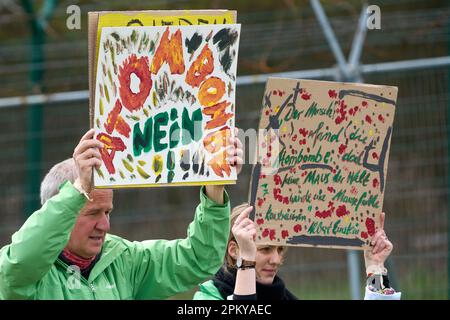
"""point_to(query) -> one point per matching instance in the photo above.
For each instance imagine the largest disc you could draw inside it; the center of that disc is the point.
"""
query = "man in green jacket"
(63, 250)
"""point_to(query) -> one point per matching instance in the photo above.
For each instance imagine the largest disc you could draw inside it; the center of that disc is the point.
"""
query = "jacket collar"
(110, 251)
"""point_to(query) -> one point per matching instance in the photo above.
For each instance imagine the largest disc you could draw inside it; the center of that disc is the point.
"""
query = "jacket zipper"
(90, 285)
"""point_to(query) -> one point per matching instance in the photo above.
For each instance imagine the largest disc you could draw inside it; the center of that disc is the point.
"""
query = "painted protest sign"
(164, 104)
(323, 158)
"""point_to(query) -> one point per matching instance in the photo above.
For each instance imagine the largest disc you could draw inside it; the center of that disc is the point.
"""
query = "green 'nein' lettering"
(193, 126)
(154, 131)
(142, 140)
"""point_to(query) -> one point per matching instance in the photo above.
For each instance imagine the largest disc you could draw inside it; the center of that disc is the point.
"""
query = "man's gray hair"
(57, 175)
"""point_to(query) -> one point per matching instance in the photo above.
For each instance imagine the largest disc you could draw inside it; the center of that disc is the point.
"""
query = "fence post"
(34, 111)
(448, 170)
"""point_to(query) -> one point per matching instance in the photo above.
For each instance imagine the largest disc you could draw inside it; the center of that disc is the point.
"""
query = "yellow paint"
(284, 129)
(383, 105)
(276, 109)
(346, 219)
(370, 132)
(199, 183)
(212, 90)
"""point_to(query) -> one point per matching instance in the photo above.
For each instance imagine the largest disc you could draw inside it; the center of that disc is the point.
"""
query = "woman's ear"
(233, 249)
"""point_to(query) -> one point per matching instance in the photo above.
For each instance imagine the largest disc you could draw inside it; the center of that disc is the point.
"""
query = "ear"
(233, 249)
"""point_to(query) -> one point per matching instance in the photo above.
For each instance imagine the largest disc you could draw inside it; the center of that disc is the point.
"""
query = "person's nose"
(275, 257)
(103, 223)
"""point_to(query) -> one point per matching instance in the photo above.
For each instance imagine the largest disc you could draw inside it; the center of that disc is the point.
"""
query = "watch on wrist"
(245, 264)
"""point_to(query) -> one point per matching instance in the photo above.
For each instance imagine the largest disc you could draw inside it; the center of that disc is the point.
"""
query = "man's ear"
(233, 249)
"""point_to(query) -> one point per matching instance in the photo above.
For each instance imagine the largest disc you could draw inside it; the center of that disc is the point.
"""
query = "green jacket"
(207, 291)
(154, 269)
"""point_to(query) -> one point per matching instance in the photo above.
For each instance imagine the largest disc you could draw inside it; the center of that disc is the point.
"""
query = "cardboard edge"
(92, 37)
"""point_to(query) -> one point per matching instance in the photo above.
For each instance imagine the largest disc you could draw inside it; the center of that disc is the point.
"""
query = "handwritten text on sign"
(324, 184)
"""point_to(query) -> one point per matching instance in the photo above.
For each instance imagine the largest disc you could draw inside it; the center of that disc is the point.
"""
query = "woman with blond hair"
(246, 262)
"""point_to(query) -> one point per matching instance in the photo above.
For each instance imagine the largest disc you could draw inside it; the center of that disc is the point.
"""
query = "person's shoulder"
(116, 241)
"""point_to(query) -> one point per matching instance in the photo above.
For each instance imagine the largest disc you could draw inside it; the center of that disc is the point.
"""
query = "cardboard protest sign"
(323, 158)
(164, 104)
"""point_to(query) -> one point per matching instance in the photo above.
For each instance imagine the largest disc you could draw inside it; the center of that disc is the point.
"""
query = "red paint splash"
(364, 103)
(353, 111)
(278, 93)
(375, 183)
(284, 234)
(115, 121)
(332, 94)
(342, 211)
(272, 234)
(265, 233)
(342, 148)
(303, 132)
(294, 138)
(374, 155)
(297, 228)
(277, 179)
(342, 112)
(111, 145)
(324, 214)
(381, 118)
(140, 67)
(260, 202)
(368, 119)
(305, 96)
(260, 221)
(277, 196)
(330, 189)
(302, 142)
(364, 235)
(370, 225)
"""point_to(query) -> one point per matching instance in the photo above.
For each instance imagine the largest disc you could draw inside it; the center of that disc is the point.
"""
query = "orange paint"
(111, 145)
(201, 67)
(218, 115)
(170, 51)
(213, 142)
(219, 164)
(115, 121)
(211, 91)
(134, 101)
